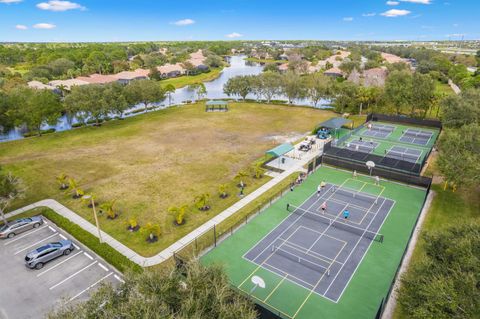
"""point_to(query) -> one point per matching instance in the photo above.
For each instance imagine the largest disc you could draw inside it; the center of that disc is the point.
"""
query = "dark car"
(40, 256)
(18, 226)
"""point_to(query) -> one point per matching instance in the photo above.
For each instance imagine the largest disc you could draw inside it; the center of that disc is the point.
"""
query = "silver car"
(40, 256)
(18, 226)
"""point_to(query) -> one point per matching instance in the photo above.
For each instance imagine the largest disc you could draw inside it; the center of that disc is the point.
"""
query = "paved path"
(168, 252)
(454, 87)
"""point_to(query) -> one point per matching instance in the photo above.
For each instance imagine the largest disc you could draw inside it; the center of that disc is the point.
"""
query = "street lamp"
(90, 197)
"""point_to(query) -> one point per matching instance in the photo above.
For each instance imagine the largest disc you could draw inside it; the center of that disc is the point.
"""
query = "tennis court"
(416, 136)
(361, 146)
(319, 250)
(379, 130)
(404, 154)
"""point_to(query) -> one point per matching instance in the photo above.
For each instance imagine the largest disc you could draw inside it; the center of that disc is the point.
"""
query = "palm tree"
(258, 170)
(11, 188)
(202, 200)
(179, 213)
(222, 190)
(169, 89)
(73, 186)
(241, 175)
(62, 179)
(153, 231)
(108, 208)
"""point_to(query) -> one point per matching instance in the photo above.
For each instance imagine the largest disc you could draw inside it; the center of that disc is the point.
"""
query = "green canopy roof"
(280, 150)
(216, 103)
(336, 122)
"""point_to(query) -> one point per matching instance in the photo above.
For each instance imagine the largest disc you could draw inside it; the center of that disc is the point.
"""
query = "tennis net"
(402, 156)
(301, 260)
(346, 195)
(337, 223)
(420, 134)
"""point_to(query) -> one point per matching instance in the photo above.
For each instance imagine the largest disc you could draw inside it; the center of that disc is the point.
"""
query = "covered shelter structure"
(280, 150)
(334, 124)
(277, 158)
(217, 105)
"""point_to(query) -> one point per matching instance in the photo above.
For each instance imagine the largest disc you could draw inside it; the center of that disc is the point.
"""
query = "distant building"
(67, 84)
(171, 70)
(283, 67)
(126, 77)
(98, 78)
(375, 76)
(41, 86)
(334, 72)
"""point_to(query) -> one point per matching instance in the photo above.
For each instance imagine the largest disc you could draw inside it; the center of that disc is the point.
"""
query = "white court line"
(366, 251)
(23, 236)
(103, 267)
(350, 254)
(53, 267)
(91, 286)
(119, 279)
(38, 242)
(52, 229)
(287, 274)
(63, 237)
(73, 275)
(319, 233)
(312, 252)
(86, 254)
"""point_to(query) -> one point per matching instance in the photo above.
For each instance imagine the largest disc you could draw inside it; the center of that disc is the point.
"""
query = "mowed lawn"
(152, 161)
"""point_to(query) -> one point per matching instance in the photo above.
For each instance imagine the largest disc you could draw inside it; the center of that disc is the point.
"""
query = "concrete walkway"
(168, 252)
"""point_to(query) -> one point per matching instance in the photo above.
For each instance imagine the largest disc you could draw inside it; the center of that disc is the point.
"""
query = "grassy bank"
(448, 208)
(186, 80)
(152, 161)
(265, 60)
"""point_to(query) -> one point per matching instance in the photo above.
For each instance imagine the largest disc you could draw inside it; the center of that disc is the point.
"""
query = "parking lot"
(29, 293)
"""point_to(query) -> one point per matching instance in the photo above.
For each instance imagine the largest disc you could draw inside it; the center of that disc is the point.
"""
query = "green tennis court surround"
(370, 281)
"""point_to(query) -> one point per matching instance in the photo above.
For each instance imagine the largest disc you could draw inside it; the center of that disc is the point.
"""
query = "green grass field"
(152, 161)
(372, 279)
(186, 80)
(385, 144)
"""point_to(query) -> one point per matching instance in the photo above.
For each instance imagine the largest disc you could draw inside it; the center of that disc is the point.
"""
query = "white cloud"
(44, 26)
(395, 13)
(418, 1)
(234, 35)
(21, 27)
(455, 25)
(393, 3)
(184, 22)
(10, 1)
(58, 6)
(372, 14)
(348, 19)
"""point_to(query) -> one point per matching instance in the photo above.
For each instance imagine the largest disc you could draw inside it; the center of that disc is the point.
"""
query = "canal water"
(237, 66)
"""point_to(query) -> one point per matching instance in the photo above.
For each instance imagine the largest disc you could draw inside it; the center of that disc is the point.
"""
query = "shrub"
(153, 231)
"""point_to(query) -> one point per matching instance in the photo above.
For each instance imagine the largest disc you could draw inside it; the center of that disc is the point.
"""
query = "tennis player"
(377, 180)
(346, 213)
(369, 126)
(324, 207)
(319, 189)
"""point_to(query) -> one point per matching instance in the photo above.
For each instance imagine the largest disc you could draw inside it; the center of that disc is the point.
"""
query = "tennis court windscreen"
(336, 223)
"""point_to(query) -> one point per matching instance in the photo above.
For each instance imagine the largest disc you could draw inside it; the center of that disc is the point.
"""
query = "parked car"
(40, 256)
(18, 226)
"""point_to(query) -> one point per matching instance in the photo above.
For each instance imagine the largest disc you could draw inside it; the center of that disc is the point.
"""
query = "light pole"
(87, 197)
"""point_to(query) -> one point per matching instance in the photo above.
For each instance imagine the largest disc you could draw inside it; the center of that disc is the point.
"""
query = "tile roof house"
(126, 77)
(375, 76)
(171, 70)
(392, 58)
(67, 84)
(98, 78)
(197, 58)
(40, 86)
(334, 72)
(283, 67)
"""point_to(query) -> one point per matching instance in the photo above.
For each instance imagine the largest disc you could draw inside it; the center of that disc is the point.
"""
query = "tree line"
(31, 108)
(404, 92)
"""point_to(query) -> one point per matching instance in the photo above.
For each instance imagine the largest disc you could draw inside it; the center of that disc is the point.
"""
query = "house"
(375, 76)
(171, 70)
(334, 72)
(37, 85)
(337, 58)
(283, 56)
(392, 58)
(98, 78)
(126, 77)
(197, 58)
(283, 67)
(67, 84)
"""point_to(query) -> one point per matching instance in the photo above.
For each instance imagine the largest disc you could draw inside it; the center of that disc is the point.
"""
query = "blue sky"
(139, 20)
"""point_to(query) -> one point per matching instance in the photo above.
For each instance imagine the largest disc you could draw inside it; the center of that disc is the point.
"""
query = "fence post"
(214, 236)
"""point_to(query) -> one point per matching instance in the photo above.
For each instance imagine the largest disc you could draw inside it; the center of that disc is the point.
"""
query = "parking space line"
(73, 275)
(52, 229)
(86, 254)
(63, 237)
(29, 233)
(119, 279)
(53, 267)
(103, 267)
(74, 245)
(91, 286)
(38, 242)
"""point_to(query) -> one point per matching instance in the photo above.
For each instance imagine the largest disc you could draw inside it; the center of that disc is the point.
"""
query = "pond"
(237, 66)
